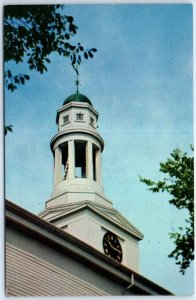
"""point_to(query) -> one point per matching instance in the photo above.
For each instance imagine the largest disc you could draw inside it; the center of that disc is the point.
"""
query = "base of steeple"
(77, 189)
(89, 221)
(73, 197)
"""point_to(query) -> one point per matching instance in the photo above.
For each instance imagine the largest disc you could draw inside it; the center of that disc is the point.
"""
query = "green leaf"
(22, 80)
(90, 54)
(47, 59)
(70, 19)
(7, 128)
(67, 36)
(179, 184)
(9, 74)
(16, 80)
(85, 55)
(26, 77)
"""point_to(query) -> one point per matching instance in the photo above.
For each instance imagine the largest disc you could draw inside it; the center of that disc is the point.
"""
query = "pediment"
(50, 213)
(110, 214)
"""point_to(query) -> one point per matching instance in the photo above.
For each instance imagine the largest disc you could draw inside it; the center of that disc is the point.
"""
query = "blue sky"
(140, 81)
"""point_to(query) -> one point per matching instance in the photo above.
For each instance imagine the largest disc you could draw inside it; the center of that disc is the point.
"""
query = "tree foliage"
(7, 128)
(179, 183)
(32, 33)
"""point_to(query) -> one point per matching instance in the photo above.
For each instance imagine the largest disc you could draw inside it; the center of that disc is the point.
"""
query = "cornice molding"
(75, 131)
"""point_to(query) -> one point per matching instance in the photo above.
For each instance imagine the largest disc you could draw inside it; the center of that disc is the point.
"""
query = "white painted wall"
(90, 228)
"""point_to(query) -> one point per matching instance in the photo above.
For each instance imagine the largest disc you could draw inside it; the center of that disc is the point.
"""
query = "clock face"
(111, 246)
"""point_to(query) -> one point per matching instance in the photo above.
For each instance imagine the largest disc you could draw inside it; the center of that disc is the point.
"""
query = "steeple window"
(64, 148)
(65, 119)
(92, 121)
(80, 117)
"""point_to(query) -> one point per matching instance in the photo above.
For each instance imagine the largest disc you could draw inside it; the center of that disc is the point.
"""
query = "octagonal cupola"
(77, 111)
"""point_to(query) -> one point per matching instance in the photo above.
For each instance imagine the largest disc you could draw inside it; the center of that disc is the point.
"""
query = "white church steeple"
(78, 204)
(77, 151)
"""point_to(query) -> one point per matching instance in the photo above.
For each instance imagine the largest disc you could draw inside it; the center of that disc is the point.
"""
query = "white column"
(57, 165)
(71, 159)
(98, 166)
(89, 160)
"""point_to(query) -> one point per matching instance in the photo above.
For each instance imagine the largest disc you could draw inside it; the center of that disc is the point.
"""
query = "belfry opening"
(64, 149)
(84, 162)
(80, 159)
(94, 154)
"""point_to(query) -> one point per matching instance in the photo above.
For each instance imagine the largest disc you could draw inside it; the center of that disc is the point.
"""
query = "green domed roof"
(77, 98)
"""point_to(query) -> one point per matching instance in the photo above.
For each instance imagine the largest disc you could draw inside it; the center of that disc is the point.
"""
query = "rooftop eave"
(49, 234)
(77, 130)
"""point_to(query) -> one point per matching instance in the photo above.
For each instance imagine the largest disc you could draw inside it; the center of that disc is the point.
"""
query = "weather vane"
(77, 82)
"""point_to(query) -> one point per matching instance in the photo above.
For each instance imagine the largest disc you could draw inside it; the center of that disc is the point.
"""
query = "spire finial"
(77, 82)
